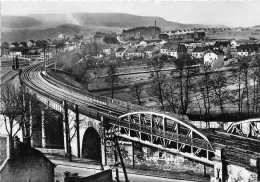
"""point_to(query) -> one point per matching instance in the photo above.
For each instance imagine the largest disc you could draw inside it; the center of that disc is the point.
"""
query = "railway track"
(47, 87)
(57, 91)
(234, 142)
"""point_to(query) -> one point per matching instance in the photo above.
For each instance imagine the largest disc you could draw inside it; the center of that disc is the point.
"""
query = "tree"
(204, 88)
(17, 107)
(255, 66)
(11, 104)
(4, 45)
(244, 67)
(110, 40)
(136, 91)
(183, 74)
(171, 96)
(157, 79)
(218, 83)
(111, 77)
(237, 93)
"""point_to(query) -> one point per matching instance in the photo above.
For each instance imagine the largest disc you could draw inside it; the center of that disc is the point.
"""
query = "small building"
(214, 58)
(26, 164)
(190, 47)
(198, 52)
(111, 49)
(165, 48)
(23, 44)
(14, 44)
(18, 51)
(247, 50)
(222, 45)
(150, 50)
(135, 52)
(120, 52)
(177, 50)
(31, 43)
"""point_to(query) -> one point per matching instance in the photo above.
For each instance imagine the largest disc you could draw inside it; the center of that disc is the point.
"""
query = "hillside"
(36, 34)
(127, 21)
(18, 21)
(42, 26)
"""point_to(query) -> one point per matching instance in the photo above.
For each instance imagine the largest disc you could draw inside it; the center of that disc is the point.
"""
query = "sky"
(229, 12)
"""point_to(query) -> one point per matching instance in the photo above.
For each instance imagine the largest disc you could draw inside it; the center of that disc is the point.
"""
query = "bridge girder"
(164, 132)
(248, 125)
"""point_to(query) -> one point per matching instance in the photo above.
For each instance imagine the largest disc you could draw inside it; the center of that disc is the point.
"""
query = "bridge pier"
(219, 166)
(43, 130)
(76, 110)
(103, 142)
(66, 127)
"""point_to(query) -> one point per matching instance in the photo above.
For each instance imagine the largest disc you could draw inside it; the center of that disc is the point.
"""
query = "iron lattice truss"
(248, 128)
(166, 133)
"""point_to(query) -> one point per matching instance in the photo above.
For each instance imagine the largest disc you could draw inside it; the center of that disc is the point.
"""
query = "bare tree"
(171, 96)
(237, 93)
(18, 106)
(204, 88)
(218, 84)
(157, 79)
(184, 73)
(255, 66)
(244, 67)
(11, 104)
(136, 91)
(111, 78)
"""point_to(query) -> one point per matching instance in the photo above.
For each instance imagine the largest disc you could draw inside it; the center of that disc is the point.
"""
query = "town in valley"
(117, 93)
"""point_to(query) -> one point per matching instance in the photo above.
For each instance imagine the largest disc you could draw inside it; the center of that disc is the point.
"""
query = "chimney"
(155, 27)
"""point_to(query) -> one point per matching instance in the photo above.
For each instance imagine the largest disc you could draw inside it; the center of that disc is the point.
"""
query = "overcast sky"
(231, 13)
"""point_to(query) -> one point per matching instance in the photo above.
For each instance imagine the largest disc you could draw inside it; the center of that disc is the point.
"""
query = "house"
(111, 49)
(165, 48)
(222, 45)
(23, 44)
(18, 51)
(130, 51)
(247, 50)
(31, 43)
(120, 52)
(150, 50)
(214, 57)
(26, 163)
(140, 52)
(190, 46)
(135, 52)
(177, 50)
(14, 44)
(34, 52)
(198, 52)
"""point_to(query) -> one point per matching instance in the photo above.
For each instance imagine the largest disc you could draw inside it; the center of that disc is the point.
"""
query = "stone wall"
(155, 159)
(240, 174)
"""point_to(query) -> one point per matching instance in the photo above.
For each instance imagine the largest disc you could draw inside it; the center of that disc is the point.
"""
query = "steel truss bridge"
(168, 132)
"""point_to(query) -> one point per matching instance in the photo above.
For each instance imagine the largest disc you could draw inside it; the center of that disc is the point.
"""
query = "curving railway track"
(41, 83)
(93, 105)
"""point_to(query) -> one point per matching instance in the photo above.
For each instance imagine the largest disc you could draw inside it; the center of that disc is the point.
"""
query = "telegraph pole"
(44, 57)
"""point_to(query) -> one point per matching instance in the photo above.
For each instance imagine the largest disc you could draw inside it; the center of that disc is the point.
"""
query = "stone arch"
(91, 147)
